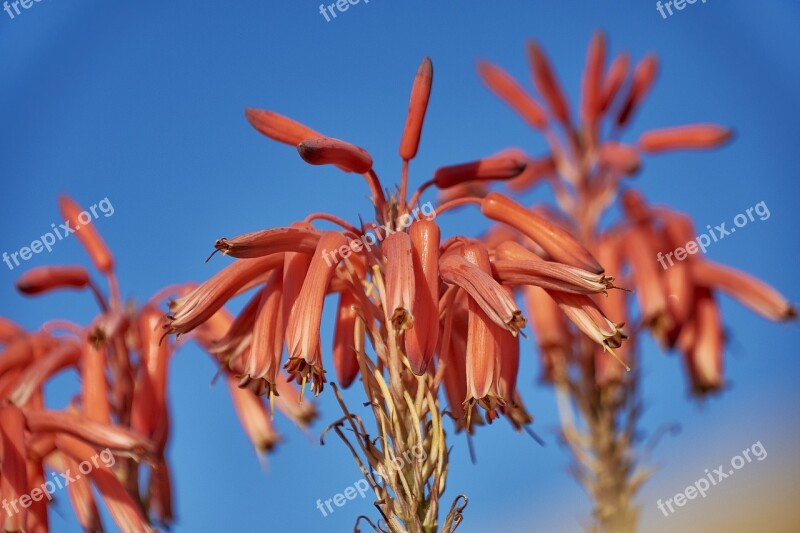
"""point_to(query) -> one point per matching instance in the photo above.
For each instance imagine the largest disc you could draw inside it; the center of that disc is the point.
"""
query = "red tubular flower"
(329, 151)
(704, 357)
(615, 304)
(650, 289)
(489, 169)
(588, 317)
(117, 439)
(489, 295)
(262, 362)
(420, 94)
(400, 283)
(199, 305)
(45, 279)
(643, 77)
(348, 339)
(545, 81)
(693, 137)
(14, 479)
(126, 512)
(515, 265)
(421, 340)
(508, 90)
(559, 245)
(87, 235)
(549, 327)
(270, 241)
(483, 338)
(253, 416)
(302, 330)
(280, 128)
(592, 94)
(80, 492)
(751, 292)
(614, 79)
(289, 402)
(94, 387)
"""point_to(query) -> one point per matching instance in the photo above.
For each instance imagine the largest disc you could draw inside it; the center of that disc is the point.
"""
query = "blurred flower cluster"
(122, 361)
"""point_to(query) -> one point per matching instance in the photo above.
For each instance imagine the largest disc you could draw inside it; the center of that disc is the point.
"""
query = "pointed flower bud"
(420, 94)
(279, 128)
(508, 90)
(692, 137)
(545, 81)
(489, 169)
(329, 151)
(45, 279)
(87, 235)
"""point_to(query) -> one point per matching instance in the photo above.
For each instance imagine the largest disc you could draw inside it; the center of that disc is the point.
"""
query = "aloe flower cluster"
(589, 168)
(437, 312)
(122, 360)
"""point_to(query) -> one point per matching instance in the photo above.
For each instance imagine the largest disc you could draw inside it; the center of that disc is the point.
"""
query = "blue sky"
(143, 104)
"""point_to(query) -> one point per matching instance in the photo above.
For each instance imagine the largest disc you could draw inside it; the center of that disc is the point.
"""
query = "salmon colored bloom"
(751, 292)
(270, 241)
(422, 338)
(263, 360)
(560, 245)
(302, 329)
(400, 282)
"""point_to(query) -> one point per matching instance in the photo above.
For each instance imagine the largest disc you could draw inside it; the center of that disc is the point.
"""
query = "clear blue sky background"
(142, 103)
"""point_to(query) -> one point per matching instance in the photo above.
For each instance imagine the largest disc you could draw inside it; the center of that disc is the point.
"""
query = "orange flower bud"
(44, 279)
(643, 77)
(329, 151)
(692, 137)
(87, 235)
(420, 94)
(279, 128)
(614, 79)
(489, 169)
(592, 94)
(508, 90)
(545, 81)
